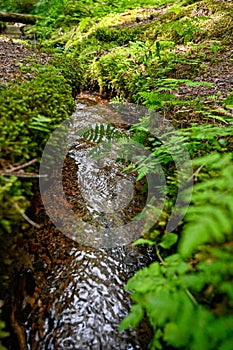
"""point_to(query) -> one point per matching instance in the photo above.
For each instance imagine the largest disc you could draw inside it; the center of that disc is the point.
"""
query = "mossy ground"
(130, 53)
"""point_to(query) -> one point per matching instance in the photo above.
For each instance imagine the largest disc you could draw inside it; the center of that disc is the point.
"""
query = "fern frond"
(210, 217)
(100, 132)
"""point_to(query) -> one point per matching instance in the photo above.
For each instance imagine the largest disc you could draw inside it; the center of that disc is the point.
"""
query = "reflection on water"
(87, 302)
(106, 190)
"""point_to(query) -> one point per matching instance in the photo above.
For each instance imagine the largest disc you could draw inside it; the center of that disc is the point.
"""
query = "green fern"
(210, 218)
(41, 123)
(228, 102)
(163, 95)
(100, 133)
(167, 295)
(188, 302)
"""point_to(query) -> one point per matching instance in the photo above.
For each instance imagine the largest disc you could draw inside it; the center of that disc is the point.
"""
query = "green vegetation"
(187, 296)
(3, 333)
(21, 6)
(145, 52)
(29, 113)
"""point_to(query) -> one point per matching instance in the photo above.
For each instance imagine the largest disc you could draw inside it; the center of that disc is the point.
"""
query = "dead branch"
(18, 17)
(21, 211)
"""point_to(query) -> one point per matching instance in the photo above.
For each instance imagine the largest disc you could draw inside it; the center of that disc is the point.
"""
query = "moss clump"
(30, 111)
(124, 71)
(71, 69)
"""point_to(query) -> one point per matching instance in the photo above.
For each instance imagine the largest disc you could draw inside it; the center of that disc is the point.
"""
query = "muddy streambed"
(69, 291)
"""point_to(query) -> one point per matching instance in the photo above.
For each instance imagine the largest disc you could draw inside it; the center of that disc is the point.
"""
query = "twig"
(158, 254)
(191, 297)
(21, 166)
(196, 172)
(18, 174)
(25, 216)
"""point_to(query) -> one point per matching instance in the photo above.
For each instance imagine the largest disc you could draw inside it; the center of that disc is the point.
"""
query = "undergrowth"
(29, 113)
(187, 296)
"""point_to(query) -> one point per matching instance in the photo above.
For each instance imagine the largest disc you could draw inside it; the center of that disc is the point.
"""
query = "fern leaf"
(210, 217)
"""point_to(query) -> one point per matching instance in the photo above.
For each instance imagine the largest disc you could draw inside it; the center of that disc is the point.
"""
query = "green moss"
(71, 69)
(29, 113)
(47, 96)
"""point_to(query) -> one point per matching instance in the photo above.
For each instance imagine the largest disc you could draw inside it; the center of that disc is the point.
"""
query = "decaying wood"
(18, 17)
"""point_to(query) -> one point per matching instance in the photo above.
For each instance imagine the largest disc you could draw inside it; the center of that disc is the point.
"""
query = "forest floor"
(14, 55)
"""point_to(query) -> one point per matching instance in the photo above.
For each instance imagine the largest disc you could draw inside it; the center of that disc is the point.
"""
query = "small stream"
(98, 212)
(70, 295)
(81, 301)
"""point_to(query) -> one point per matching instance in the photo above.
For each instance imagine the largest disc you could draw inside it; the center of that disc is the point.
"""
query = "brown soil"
(14, 55)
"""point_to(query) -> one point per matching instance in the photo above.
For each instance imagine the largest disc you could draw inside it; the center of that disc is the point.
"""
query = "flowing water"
(82, 301)
(77, 298)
